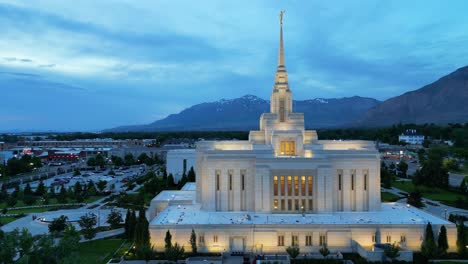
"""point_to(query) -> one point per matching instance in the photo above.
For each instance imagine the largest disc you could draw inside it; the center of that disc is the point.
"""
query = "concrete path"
(105, 234)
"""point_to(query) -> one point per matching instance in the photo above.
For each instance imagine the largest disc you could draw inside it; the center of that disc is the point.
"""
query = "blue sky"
(88, 65)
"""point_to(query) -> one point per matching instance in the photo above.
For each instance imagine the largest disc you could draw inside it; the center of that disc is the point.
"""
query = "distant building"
(179, 161)
(411, 137)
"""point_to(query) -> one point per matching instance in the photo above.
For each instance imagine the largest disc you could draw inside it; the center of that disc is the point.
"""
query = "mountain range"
(441, 102)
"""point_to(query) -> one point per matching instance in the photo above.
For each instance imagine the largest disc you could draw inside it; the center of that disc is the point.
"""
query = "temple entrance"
(237, 244)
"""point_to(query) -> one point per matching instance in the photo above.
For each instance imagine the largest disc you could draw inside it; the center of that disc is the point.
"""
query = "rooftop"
(391, 213)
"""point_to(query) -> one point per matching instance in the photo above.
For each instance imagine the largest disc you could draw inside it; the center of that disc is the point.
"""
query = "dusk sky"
(90, 65)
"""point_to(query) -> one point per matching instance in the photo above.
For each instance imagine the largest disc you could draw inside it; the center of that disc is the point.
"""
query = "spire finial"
(281, 52)
(281, 16)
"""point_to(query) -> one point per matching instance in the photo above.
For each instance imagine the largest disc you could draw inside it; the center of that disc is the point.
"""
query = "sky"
(89, 65)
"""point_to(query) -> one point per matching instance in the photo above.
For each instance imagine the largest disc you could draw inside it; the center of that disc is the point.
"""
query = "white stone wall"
(175, 162)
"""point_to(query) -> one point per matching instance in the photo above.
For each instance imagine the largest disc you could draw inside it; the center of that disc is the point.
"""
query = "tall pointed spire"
(281, 48)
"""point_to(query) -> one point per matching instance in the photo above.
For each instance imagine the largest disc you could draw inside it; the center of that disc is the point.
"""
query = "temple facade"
(286, 187)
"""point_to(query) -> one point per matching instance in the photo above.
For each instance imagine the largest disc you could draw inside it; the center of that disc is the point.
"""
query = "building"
(411, 137)
(286, 187)
(179, 161)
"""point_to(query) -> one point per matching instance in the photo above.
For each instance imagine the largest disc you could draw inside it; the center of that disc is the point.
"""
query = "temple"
(286, 187)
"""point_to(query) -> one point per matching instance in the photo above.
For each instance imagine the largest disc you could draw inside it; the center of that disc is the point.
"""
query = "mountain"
(441, 102)
(244, 114)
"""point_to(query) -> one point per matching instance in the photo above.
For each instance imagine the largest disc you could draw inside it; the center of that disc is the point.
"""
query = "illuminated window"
(215, 239)
(275, 204)
(303, 204)
(389, 239)
(322, 240)
(309, 183)
(289, 185)
(308, 241)
(282, 184)
(217, 179)
(282, 110)
(201, 239)
(373, 239)
(294, 241)
(280, 241)
(403, 238)
(303, 185)
(296, 185)
(288, 148)
(275, 185)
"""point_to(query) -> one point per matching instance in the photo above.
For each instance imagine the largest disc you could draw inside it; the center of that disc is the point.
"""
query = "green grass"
(51, 202)
(6, 220)
(389, 197)
(444, 196)
(98, 251)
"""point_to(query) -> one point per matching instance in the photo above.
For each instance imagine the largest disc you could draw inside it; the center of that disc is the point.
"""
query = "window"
(303, 205)
(275, 204)
(373, 239)
(296, 204)
(288, 148)
(311, 205)
(289, 205)
(339, 182)
(282, 110)
(201, 239)
(403, 238)
(275, 185)
(289, 185)
(280, 241)
(303, 185)
(283, 207)
(230, 180)
(308, 240)
(282, 185)
(217, 179)
(215, 239)
(365, 181)
(243, 179)
(322, 240)
(389, 239)
(309, 187)
(296, 185)
(352, 182)
(294, 241)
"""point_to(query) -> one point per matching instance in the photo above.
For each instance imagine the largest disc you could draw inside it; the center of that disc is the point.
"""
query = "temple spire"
(281, 49)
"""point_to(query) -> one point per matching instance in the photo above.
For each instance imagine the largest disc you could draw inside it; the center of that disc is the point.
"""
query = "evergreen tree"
(142, 236)
(25, 242)
(131, 226)
(392, 252)
(27, 190)
(191, 175)
(193, 242)
(174, 253)
(170, 181)
(52, 192)
(114, 218)
(464, 186)
(168, 240)
(41, 189)
(428, 248)
(126, 224)
(87, 223)
(442, 243)
(293, 251)
(461, 239)
(62, 196)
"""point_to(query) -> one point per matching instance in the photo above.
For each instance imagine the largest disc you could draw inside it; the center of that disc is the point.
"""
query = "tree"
(461, 239)
(29, 199)
(11, 201)
(463, 186)
(62, 196)
(101, 185)
(91, 162)
(193, 242)
(41, 189)
(77, 189)
(131, 226)
(175, 252)
(126, 223)
(128, 159)
(76, 172)
(428, 248)
(324, 250)
(87, 223)
(58, 224)
(91, 189)
(170, 180)
(168, 240)
(142, 236)
(442, 243)
(403, 168)
(191, 175)
(392, 251)
(415, 199)
(69, 243)
(100, 161)
(44, 251)
(182, 181)
(114, 218)
(293, 251)
(8, 246)
(146, 252)
(27, 190)
(117, 161)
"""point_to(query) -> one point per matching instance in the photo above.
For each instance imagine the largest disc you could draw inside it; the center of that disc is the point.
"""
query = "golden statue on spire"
(281, 16)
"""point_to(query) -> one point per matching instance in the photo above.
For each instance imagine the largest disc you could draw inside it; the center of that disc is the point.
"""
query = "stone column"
(359, 190)
(224, 189)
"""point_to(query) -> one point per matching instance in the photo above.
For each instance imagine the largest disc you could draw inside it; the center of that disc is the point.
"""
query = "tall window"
(275, 203)
(230, 180)
(311, 205)
(282, 110)
(352, 181)
(308, 240)
(373, 239)
(403, 238)
(309, 183)
(322, 240)
(243, 179)
(289, 204)
(289, 185)
(275, 185)
(340, 178)
(294, 240)
(201, 239)
(282, 184)
(280, 241)
(217, 179)
(296, 204)
(303, 185)
(389, 239)
(283, 207)
(296, 185)
(303, 204)
(215, 239)
(365, 181)
(288, 148)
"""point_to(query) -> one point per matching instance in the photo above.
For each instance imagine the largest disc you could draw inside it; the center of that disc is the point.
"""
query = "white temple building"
(286, 187)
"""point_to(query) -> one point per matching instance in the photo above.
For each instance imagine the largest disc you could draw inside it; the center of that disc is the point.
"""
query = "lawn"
(389, 197)
(6, 220)
(99, 251)
(445, 196)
